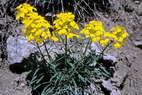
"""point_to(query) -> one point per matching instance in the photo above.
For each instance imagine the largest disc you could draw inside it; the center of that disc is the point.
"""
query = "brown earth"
(12, 84)
(130, 57)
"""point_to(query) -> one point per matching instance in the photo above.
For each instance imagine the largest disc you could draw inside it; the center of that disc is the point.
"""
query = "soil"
(129, 57)
(12, 84)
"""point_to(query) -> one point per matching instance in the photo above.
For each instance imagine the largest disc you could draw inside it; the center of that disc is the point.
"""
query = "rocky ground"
(128, 76)
(12, 84)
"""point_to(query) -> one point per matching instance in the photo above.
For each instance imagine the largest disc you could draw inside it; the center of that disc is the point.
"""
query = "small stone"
(137, 2)
(94, 47)
(111, 58)
(120, 75)
(139, 10)
(138, 44)
(50, 14)
(22, 85)
(115, 92)
(129, 8)
(107, 84)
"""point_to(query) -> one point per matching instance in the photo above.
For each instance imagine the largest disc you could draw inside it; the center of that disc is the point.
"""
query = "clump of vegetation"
(63, 73)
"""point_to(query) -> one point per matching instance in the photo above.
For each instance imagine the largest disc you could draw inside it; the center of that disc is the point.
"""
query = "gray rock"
(18, 48)
(94, 47)
(129, 5)
(111, 58)
(137, 2)
(139, 10)
(107, 84)
(115, 92)
(138, 44)
(120, 75)
(115, 5)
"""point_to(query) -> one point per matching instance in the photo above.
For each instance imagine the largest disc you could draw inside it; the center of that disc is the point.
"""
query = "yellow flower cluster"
(36, 28)
(96, 32)
(119, 35)
(65, 25)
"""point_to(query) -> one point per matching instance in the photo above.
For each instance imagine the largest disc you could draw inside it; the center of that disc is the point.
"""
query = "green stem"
(50, 58)
(86, 47)
(105, 48)
(41, 53)
(66, 48)
(66, 43)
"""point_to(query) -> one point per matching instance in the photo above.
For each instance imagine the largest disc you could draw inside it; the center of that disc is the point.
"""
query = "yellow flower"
(124, 35)
(38, 40)
(71, 35)
(94, 30)
(23, 9)
(44, 35)
(119, 36)
(65, 24)
(117, 45)
(36, 28)
(96, 23)
(94, 40)
(53, 38)
(104, 42)
(116, 29)
(74, 25)
(120, 39)
(62, 32)
(30, 37)
(99, 33)
(99, 28)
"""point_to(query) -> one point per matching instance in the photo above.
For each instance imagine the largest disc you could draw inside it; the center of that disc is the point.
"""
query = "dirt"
(133, 84)
(129, 57)
(12, 84)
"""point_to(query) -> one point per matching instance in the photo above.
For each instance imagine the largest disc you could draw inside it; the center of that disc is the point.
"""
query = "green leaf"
(72, 66)
(74, 83)
(54, 76)
(81, 78)
(38, 85)
(45, 89)
(40, 79)
(36, 72)
(94, 63)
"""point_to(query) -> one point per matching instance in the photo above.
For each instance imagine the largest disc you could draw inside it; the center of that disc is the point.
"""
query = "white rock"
(137, 1)
(111, 58)
(138, 44)
(18, 48)
(139, 10)
(95, 48)
(107, 84)
(115, 92)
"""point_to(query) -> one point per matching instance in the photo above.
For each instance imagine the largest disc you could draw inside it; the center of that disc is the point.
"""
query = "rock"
(129, 8)
(115, 92)
(115, 5)
(107, 84)
(139, 10)
(137, 1)
(3, 1)
(120, 76)
(128, 5)
(110, 58)
(94, 47)
(18, 48)
(138, 44)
